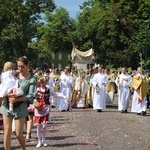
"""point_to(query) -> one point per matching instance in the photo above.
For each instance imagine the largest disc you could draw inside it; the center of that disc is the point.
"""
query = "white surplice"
(124, 91)
(138, 107)
(99, 82)
(66, 82)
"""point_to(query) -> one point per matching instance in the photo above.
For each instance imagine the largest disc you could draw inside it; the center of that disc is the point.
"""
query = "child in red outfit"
(42, 110)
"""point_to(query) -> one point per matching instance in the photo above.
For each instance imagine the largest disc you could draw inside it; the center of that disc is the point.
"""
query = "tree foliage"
(19, 22)
(118, 30)
(55, 32)
(54, 36)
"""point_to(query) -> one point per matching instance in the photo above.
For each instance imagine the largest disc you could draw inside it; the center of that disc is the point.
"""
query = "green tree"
(116, 29)
(19, 22)
(56, 33)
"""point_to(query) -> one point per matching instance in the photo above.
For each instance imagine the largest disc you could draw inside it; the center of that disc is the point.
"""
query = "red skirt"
(41, 119)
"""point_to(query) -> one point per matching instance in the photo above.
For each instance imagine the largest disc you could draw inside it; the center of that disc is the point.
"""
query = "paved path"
(85, 129)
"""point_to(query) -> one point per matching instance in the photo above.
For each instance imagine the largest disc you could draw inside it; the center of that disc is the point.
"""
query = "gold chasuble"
(140, 84)
(111, 84)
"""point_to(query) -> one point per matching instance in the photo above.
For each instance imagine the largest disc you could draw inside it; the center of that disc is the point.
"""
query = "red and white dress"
(43, 95)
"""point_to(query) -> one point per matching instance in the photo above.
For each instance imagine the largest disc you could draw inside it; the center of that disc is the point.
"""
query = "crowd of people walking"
(27, 95)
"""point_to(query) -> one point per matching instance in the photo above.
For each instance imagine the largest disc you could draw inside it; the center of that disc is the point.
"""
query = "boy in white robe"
(99, 82)
(123, 82)
(66, 82)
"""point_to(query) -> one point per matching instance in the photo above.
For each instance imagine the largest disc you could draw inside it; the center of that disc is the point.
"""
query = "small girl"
(9, 83)
(42, 109)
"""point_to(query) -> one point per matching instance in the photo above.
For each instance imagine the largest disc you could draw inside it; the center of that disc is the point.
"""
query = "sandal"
(28, 137)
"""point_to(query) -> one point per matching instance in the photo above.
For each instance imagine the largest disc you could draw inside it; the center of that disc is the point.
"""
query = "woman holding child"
(28, 84)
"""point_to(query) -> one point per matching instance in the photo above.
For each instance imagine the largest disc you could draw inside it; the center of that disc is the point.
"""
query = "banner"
(81, 59)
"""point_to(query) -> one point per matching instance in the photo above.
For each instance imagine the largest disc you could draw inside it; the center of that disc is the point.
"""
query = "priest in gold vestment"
(140, 87)
(81, 87)
(111, 86)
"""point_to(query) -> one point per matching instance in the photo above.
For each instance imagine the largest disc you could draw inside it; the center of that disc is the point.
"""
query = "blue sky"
(72, 6)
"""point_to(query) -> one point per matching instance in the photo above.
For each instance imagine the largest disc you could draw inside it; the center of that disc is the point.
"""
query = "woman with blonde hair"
(28, 84)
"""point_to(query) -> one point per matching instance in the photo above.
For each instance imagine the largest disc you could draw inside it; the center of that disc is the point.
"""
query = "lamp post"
(146, 45)
(140, 55)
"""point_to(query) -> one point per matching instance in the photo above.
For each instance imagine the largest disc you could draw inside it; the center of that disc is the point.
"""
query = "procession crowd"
(27, 95)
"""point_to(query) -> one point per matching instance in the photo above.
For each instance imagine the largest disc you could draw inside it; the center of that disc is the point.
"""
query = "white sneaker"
(39, 145)
(45, 144)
